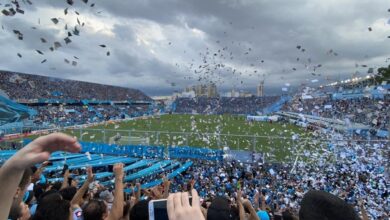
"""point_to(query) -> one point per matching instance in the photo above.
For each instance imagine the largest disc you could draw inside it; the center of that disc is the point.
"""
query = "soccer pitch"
(208, 131)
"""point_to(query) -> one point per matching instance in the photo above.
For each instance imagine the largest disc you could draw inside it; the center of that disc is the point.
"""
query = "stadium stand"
(59, 102)
(349, 177)
(77, 115)
(20, 86)
(224, 105)
(370, 108)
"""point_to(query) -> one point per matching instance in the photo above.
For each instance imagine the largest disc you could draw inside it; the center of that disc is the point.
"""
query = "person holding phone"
(179, 208)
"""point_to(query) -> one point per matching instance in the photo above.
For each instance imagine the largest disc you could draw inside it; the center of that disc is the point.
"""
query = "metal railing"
(273, 148)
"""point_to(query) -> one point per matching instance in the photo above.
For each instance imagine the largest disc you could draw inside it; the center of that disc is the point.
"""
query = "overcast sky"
(164, 45)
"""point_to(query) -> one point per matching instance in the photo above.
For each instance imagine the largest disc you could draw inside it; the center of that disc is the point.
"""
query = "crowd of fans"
(24, 87)
(345, 189)
(78, 115)
(224, 105)
(344, 182)
(365, 110)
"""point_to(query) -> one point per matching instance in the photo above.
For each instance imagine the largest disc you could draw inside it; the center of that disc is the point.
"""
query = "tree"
(383, 74)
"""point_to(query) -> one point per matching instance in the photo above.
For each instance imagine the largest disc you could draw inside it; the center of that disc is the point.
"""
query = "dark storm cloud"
(31, 39)
(153, 43)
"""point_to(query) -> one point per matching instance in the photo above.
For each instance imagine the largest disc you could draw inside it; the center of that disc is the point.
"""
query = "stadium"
(73, 147)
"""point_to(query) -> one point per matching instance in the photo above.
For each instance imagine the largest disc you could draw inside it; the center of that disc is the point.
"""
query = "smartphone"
(70, 181)
(111, 168)
(126, 196)
(64, 169)
(158, 209)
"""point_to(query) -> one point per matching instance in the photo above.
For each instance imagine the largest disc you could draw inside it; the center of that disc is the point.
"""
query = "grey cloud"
(272, 29)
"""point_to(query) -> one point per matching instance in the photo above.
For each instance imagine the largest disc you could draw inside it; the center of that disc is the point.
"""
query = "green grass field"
(210, 131)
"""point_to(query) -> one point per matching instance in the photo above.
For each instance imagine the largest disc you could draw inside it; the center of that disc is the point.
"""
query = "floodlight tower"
(260, 89)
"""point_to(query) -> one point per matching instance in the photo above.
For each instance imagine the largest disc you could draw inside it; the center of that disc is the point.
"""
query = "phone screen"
(158, 209)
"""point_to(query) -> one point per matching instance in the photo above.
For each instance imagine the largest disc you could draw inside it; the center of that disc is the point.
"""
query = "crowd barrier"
(151, 151)
(129, 150)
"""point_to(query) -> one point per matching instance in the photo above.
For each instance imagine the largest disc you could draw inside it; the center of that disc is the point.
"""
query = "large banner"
(129, 150)
(244, 156)
(262, 118)
(195, 153)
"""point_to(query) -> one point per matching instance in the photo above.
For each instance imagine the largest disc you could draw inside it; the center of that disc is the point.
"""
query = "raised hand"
(239, 196)
(241, 210)
(262, 197)
(90, 175)
(179, 207)
(118, 170)
(36, 152)
(166, 184)
(257, 196)
(41, 148)
(138, 193)
(66, 174)
(192, 183)
(246, 203)
(156, 193)
(256, 200)
(117, 206)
